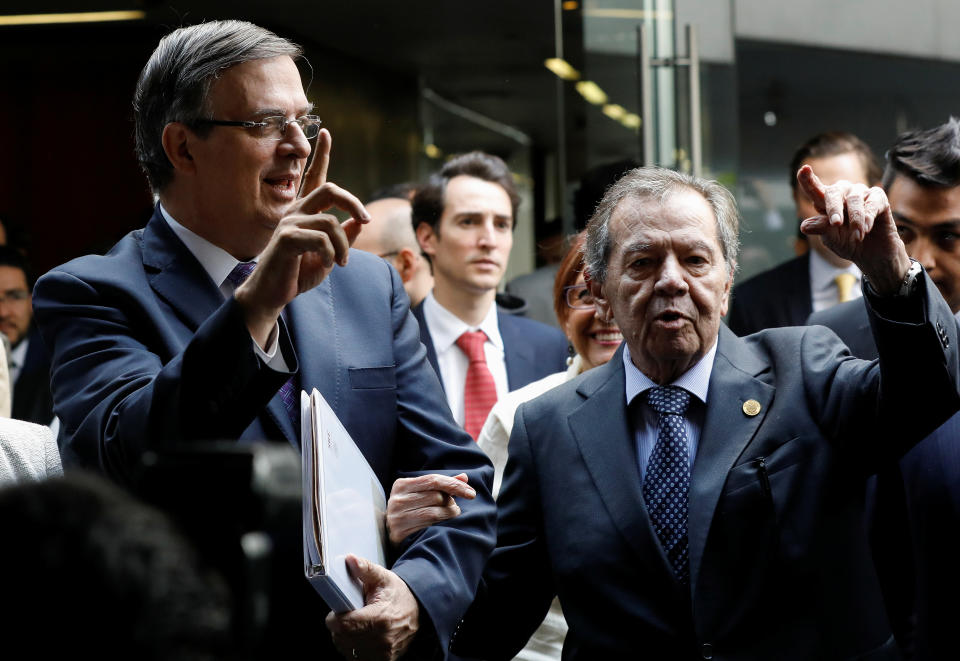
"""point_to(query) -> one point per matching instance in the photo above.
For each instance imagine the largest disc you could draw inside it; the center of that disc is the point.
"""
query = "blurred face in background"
(594, 340)
(830, 170)
(16, 304)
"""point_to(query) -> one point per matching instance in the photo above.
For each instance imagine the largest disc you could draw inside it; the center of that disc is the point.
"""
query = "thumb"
(369, 573)
(351, 227)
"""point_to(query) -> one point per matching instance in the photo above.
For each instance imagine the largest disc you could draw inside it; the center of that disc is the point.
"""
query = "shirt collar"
(822, 272)
(695, 380)
(445, 327)
(216, 261)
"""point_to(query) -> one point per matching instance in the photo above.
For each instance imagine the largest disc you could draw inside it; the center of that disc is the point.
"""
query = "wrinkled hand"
(305, 246)
(418, 502)
(857, 224)
(386, 625)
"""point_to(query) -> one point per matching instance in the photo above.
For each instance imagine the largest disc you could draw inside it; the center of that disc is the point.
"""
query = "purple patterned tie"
(666, 485)
(288, 390)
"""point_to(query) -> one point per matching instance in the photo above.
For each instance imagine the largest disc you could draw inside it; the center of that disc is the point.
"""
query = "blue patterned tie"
(287, 391)
(667, 483)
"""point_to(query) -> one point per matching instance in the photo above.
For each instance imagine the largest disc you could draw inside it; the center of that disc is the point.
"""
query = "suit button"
(706, 651)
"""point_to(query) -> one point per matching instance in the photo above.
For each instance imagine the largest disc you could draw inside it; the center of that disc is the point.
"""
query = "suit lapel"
(518, 352)
(602, 432)
(177, 277)
(313, 332)
(727, 430)
(798, 296)
(427, 340)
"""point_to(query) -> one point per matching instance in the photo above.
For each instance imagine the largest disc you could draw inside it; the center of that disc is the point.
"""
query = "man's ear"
(599, 299)
(727, 288)
(426, 237)
(405, 261)
(176, 141)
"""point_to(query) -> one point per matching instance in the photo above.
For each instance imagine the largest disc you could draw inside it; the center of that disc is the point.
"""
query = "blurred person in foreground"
(239, 293)
(390, 235)
(922, 180)
(701, 494)
(126, 582)
(818, 279)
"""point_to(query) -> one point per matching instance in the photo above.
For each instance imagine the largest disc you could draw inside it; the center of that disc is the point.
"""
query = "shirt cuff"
(270, 356)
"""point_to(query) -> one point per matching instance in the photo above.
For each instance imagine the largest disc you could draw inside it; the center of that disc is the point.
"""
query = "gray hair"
(657, 183)
(175, 83)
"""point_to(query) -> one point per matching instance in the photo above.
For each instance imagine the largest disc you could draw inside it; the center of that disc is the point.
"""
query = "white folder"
(343, 505)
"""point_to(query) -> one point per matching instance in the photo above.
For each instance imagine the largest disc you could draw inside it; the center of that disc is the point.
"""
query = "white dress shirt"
(445, 327)
(823, 287)
(695, 380)
(17, 355)
(218, 264)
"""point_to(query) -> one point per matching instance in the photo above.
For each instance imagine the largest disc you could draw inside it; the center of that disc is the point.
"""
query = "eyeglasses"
(273, 128)
(14, 295)
(578, 297)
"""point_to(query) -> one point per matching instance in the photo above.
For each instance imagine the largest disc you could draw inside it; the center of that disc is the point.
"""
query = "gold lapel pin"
(751, 407)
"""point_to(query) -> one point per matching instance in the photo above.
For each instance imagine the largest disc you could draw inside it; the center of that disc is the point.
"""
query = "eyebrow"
(462, 214)
(944, 225)
(643, 246)
(271, 112)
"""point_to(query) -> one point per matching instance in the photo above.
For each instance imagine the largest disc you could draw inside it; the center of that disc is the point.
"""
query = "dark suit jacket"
(32, 400)
(146, 353)
(531, 350)
(774, 298)
(931, 481)
(779, 561)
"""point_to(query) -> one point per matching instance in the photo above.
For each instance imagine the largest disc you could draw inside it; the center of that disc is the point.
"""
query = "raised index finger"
(812, 187)
(316, 173)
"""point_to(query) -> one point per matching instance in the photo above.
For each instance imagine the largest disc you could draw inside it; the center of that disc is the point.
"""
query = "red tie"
(479, 390)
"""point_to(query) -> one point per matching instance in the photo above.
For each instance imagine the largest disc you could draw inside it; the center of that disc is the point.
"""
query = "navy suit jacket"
(531, 350)
(32, 400)
(931, 483)
(774, 298)
(779, 560)
(146, 353)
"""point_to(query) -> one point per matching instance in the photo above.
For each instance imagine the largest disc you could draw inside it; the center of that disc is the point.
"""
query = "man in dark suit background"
(700, 495)
(922, 180)
(29, 362)
(464, 217)
(786, 294)
(237, 294)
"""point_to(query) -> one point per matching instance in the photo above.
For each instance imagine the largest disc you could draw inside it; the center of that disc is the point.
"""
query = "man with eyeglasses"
(389, 234)
(922, 181)
(207, 323)
(28, 361)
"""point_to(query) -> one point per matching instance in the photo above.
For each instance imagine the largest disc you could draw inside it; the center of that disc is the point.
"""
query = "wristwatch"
(911, 281)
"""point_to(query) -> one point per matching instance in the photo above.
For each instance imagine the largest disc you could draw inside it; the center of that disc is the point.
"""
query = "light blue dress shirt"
(644, 419)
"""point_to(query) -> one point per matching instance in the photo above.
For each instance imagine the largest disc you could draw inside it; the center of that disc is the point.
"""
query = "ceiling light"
(614, 111)
(75, 17)
(432, 151)
(570, 5)
(561, 68)
(592, 92)
(631, 120)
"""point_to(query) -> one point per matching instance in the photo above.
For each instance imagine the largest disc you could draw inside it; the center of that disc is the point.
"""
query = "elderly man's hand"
(304, 247)
(857, 224)
(386, 625)
(418, 502)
